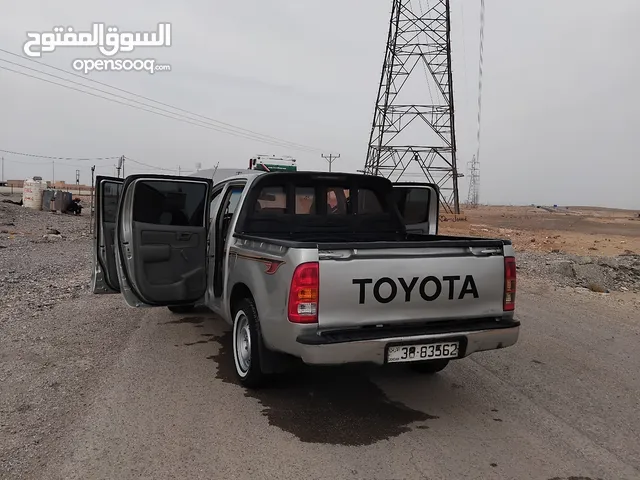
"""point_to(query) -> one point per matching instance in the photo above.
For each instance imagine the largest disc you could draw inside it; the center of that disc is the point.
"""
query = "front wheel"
(434, 366)
(247, 345)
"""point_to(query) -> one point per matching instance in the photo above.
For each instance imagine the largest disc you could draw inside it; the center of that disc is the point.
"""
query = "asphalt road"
(563, 403)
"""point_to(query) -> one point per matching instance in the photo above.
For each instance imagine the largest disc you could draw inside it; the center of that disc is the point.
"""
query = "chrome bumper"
(373, 350)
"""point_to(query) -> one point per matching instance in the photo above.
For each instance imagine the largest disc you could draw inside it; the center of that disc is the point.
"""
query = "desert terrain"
(588, 231)
(94, 389)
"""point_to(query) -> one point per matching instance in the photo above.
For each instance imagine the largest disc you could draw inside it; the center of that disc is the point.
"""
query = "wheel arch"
(239, 292)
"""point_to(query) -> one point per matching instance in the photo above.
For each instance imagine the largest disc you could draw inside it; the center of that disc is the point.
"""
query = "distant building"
(15, 183)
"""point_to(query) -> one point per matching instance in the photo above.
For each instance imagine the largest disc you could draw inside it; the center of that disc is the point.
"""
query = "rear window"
(336, 199)
(272, 200)
(321, 207)
(169, 203)
(305, 200)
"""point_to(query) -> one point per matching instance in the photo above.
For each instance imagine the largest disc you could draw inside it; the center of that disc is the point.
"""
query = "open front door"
(419, 206)
(104, 278)
(162, 228)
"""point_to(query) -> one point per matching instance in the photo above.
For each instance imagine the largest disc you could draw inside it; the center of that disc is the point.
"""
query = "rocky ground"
(50, 348)
(50, 351)
(598, 274)
(577, 247)
(44, 258)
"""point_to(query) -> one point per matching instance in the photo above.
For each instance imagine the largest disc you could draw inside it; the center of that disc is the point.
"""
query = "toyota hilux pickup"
(323, 268)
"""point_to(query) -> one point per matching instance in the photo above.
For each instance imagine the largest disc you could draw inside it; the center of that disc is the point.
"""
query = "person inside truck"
(336, 201)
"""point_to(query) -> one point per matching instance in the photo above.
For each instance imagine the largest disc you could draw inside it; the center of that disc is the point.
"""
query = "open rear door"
(162, 228)
(104, 278)
(419, 205)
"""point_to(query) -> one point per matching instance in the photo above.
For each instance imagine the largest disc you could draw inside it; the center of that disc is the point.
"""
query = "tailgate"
(387, 286)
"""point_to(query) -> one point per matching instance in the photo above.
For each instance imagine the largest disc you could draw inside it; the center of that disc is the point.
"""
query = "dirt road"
(562, 403)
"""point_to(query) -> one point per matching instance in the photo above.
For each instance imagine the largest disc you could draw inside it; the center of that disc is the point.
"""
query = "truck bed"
(418, 279)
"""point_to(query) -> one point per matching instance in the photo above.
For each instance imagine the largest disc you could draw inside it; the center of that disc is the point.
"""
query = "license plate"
(428, 351)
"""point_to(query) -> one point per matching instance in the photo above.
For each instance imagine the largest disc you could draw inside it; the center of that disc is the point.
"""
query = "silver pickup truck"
(327, 268)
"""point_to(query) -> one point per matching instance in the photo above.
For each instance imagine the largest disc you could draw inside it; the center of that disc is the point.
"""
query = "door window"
(170, 203)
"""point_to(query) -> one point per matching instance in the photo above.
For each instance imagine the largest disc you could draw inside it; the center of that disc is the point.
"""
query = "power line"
(51, 159)
(44, 163)
(180, 116)
(56, 158)
(161, 103)
(202, 125)
(151, 166)
(226, 127)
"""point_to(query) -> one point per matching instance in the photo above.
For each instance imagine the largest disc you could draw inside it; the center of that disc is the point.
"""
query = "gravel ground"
(53, 352)
(44, 259)
(598, 274)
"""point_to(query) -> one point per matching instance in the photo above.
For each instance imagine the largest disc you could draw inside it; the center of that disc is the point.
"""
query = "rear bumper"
(371, 347)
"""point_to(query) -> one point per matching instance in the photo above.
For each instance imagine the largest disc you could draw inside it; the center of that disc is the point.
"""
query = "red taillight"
(303, 295)
(509, 284)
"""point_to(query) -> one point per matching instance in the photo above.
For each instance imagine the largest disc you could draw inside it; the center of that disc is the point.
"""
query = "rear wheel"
(181, 308)
(434, 366)
(247, 344)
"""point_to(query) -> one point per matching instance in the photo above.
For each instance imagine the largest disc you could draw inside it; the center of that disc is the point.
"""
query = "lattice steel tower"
(473, 197)
(413, 135)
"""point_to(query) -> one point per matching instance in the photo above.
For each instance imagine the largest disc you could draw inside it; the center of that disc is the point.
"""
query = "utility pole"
(93, 169)
(3, 169)
(53, 174)
(330, 158)
(120, 166)
(178, 170)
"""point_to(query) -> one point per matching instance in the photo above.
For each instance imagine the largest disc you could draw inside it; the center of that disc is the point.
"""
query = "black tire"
(181, 308)
(430, 368)
(248, 366)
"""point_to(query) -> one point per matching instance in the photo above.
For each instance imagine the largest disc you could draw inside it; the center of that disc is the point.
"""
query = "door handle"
(486, 252)
(183, 237)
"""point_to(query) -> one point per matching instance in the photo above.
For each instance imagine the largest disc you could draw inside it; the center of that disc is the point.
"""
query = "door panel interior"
(170, 261)
(108, 191)
(164, 253)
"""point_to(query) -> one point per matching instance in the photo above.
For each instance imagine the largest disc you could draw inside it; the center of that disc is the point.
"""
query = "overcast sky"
(560, 104)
